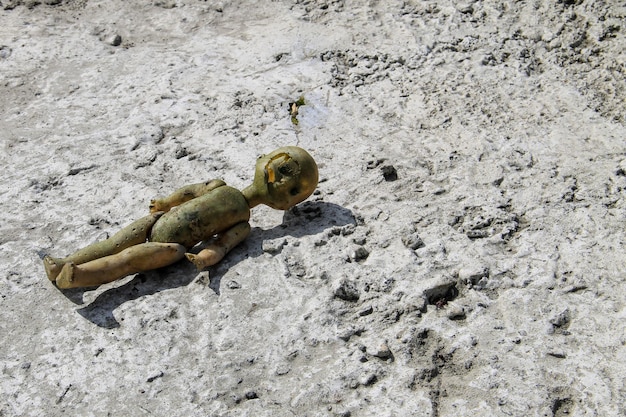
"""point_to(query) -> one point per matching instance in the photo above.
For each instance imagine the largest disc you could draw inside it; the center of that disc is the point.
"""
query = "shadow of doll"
(308, 218)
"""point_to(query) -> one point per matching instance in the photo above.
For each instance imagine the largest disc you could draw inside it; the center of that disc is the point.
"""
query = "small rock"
(465, 8)
(473, 273)
(353, 383)
(149, 135)
(347, 230)
(439, 295)
(389, 173)
(621, 169)
(320, 242)
(167, 4)
(414, 302)
(283, 369)
(347, 290)
(413, 241)
(368, 379)
(334, 231)
(273, 247)
(5, 52)
(346, 334)
(374, 163)
(383, 352)
(180, 152)
(154, 377)
(359, 254)
(574, 288)
(562, 319)
(251, 395)
(366, 311)
(114, 40)
(233, 285)
(456, 313)
(146, 159)
(558, 353)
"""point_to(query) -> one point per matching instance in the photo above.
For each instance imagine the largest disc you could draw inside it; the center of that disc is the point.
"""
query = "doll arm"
(184, 194)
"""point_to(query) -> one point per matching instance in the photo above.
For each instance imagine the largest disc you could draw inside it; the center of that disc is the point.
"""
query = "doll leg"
(184, 194)
(135, 233)
(138, 258)
(225, 241)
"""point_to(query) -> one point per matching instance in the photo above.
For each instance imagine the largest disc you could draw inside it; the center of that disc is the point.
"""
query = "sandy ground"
(464, 254)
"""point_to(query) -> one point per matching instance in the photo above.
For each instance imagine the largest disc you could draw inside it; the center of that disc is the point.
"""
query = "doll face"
(285, 177)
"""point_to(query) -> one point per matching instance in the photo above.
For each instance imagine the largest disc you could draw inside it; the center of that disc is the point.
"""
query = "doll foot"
(65, 278)
(53, 267)
(206, 258)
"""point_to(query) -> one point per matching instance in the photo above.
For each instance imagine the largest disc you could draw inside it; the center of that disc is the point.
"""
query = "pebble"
(413, 241)
(146, 159)
(359, 254)
(155, 377)
(456, 313)
(465, 8)
(561, 319)
(233, 285)
(320, 242)
(383, 352)
(389, 173)
(5, 51)
(347, 291)
(347, 230)
(167, 4)
(473, 273)
(621, 169)
(353, 383)
(415, 302)
(114, 40)
(558, 353)
(368, 379)
(273, 247)
(180, 152)
(283, 369)
(366, 311)
(346, 334)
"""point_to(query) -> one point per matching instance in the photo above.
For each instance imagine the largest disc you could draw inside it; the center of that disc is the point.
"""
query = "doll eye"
(286, 169)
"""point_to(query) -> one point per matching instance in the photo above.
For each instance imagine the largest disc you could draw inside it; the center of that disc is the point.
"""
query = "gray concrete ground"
(464, 254)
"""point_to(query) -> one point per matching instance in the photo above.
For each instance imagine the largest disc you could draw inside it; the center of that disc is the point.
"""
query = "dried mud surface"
(464, 254)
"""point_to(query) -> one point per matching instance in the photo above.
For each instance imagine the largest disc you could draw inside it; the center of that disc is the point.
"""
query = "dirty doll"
(211, 212)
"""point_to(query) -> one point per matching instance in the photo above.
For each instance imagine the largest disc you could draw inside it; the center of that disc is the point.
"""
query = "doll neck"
(252, 196)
